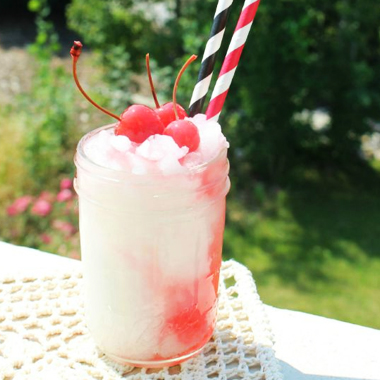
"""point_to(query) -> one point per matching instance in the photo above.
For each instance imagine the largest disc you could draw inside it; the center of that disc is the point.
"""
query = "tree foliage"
(301, 56)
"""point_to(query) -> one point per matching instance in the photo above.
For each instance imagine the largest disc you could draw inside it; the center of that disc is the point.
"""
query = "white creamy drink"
(151, 223)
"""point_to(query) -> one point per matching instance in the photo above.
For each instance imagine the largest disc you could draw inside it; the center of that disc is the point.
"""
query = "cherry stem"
(75, 53)
(184, 67)
(151, 81)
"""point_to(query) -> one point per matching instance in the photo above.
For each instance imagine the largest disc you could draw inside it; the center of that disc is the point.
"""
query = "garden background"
(302, 117)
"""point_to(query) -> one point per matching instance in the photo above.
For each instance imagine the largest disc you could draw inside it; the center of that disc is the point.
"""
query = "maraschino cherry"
(137, 122)
(166, 111)
(184, 132)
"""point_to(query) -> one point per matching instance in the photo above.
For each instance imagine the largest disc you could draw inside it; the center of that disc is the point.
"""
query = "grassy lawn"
(312, 252)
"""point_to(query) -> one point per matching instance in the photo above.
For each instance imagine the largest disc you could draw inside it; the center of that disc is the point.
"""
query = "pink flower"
(47, 196)
(66, 183)
(65, 227)
(11, 210)
(64, 195)
(41, 208)
(45, 238)
(19, 205)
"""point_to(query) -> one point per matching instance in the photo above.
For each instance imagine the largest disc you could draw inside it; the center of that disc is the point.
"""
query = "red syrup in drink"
(192, 307)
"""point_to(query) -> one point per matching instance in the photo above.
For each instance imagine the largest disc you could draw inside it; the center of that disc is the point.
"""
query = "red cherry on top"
(167, 115)
(138, 122)
(184, 133)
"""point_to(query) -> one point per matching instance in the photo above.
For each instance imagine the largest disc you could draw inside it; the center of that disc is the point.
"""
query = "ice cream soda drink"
(152, 191)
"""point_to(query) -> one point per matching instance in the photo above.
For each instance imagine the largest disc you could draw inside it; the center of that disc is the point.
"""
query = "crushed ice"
(159, 151)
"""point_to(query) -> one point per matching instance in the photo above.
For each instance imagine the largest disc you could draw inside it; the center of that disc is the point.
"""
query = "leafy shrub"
(38, 136)
(122, 33)
(47, 109)
(301, 55)
(13, 171)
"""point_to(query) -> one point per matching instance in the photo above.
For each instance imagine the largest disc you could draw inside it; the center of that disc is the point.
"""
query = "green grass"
(312, 252)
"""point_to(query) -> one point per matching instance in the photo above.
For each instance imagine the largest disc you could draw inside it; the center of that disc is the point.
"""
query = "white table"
(308, 347)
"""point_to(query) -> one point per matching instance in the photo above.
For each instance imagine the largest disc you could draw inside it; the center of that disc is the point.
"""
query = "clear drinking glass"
(151, 250)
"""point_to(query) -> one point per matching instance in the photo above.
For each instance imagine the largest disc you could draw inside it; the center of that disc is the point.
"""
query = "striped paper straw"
(208, 61)
(232, 59)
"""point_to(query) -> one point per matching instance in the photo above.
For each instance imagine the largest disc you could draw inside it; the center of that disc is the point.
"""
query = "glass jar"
(151, 248)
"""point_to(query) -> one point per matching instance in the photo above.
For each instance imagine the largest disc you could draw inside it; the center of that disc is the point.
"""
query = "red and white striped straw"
(232, 58)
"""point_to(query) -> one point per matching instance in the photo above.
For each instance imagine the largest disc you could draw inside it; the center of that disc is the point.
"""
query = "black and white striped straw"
(209, 57)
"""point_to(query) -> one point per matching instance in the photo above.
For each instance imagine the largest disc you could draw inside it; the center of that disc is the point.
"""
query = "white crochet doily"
(43, 335)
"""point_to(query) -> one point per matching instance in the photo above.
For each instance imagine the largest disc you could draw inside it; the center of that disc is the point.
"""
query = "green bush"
(300, 56)
(122, 34)
(14, 175)
(38, 137)
(47, 109)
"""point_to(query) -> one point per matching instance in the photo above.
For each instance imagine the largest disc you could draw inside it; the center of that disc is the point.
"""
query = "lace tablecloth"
(43, 334)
